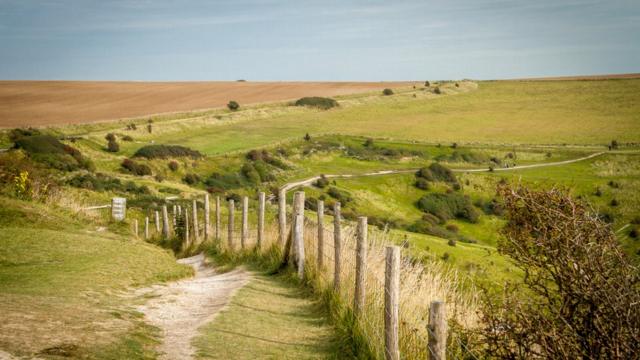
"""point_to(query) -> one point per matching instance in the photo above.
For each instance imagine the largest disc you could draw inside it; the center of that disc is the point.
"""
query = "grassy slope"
(505, 112)
(268, 318)
(60, 281)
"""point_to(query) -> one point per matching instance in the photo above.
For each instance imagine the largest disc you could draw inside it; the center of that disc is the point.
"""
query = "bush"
(110, 137)
(318, 102)
(113, 146)
(101, 182)
(127, 138)
(614, 144)
(50, 151)
(427, 83)
(579, 284)
(322, 182)
(343, 196)
(448, 206)
(224, 181)
(233, 105)
(387, 92)
(598, 192)
(307, 137)
(173, 165)
(135, 168)
(422, 184)
(437, 172)
(191, 179)
(633, 233)
(452, 227)
(451, 242)
(436, 90)
(166, 151)
(614, 202)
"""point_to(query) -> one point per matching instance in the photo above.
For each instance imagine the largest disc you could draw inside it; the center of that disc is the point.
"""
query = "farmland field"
(42, 103)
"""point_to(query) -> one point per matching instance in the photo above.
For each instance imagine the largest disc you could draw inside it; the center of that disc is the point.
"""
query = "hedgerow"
(318, 102)
(166, 151)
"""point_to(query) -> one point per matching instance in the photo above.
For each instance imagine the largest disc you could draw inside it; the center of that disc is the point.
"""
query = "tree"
(387, 92)
(580, 287)
(233, 105)
(427, 83)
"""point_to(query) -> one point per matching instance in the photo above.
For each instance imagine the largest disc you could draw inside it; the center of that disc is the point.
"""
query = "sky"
(339, 40)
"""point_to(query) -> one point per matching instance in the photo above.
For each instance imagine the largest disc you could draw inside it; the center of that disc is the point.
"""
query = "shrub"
(451, 242)
(149, 128)
(343, 196)
(224, 181)
(368, 142)
(614, 202)
(322, 182)
(48, 150)
(127, 138)
(191, 179)
(452, 227)
(101, 182)
(318, 102)
(427, 83)
(437, 172)
(135, 168)
(387, 92)
(633, 233)
(598, 192)
(614, 184)
(579, 284)
(307, 137)
(110, 137)
(113, 146)
(457, 85)
(614, 144)
(436, 90)
(166, 151)
(173, 165)
(159, 177)
(233, 105)
(448, 206)
(422, 184)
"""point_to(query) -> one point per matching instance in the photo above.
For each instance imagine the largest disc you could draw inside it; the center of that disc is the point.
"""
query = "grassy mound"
(318, 102)
(166, 151)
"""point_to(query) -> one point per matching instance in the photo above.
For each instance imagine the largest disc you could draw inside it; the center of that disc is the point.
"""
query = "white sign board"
(118, 208)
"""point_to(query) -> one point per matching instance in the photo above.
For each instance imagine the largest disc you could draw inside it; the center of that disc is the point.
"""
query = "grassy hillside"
(62, 282)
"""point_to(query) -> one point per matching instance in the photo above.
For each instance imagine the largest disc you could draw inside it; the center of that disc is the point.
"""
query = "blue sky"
(316, 40)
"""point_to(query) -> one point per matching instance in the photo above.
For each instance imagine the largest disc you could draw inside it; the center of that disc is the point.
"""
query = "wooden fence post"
(261, 204)
(206, 217)
(157, 222)
(165, 222)
(186, 228)
(196, 232)
(320, 235)
(231, 225)
(146, 227)
(437, 331)
(337, 245)
(179, 210)
(298, 235)
(135, 227)
(218, 215)
(245, 222)
(175, 214)
(361, 266)
(282, 217)
(391, 302)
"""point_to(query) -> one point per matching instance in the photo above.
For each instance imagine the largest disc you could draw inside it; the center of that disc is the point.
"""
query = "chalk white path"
(180, 308)
(311, 180)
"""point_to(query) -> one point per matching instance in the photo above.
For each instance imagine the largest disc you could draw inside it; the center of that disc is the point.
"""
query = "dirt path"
(180, 308)
(309, 181)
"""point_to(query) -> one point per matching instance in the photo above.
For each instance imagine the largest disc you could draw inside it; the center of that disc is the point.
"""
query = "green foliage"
(233, 105)
(437, 90)
(191, 179)
(422, 184)
(437, 172)
(166, 151)
(101, 182)
(112, 146)
(449, 206)
(173, 165)
(135, 168)
(465, 156)
(318, 102)
(218, 182)
(48, 150)
(322, 182)
(344, 197)
(387, 92)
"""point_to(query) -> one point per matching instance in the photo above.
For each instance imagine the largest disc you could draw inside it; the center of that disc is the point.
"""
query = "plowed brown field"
(42, 103)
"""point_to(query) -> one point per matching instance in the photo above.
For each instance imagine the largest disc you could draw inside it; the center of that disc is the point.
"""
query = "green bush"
(387, 92)
(50, 151)
(448, 206)
(191, 179)
(233, 105)
(318, 102)
(437, 172)
(223, 181)
(166, 151)
(101, 182)
(173, 165)
(422, 184)
(135, 168)
(322, 182)
(437, 90)
(340, 195)
(113, 146)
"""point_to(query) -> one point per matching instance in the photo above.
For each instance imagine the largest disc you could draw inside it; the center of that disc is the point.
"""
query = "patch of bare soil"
(180, 308)
(42, 103)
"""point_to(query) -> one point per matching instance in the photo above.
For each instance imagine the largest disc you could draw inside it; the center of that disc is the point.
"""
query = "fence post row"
(391, 302)
(282, 216)
(298, 239)
(437, 330)
(361, 266)
(261, 205)
(231, 225)
(245, 222)
(337, 244)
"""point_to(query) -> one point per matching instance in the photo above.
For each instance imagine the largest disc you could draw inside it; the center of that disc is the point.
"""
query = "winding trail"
(309, 181)
(180, 308)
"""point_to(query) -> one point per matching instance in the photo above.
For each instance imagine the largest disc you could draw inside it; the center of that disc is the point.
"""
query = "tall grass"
(421, 283)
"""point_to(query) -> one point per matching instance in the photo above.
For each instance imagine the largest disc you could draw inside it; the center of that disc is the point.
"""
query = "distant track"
(309, 181)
